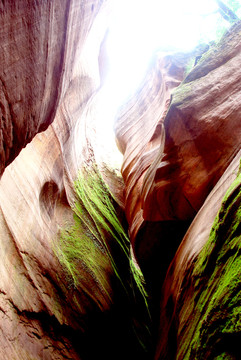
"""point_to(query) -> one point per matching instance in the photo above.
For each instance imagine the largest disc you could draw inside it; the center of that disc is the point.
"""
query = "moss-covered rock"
(214, 331)
(95, 256)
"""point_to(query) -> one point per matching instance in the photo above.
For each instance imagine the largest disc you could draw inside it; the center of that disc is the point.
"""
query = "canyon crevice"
(110, 256)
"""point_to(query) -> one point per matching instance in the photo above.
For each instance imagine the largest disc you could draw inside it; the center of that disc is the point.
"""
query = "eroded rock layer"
(200, 300)
(66, 286)
(169, 171)
(202, 134)
(39, 43)
(173, 157)
(46, 312)
(139, 131)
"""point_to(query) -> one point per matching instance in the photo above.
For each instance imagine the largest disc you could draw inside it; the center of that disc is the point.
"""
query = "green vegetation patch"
(97, 234)
(79, 255)
(215, 328)
(95, 253)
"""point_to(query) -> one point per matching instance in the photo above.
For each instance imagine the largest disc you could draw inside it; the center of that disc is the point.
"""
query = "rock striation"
(39, 42)
(185, 149)
(49, 81)
(186, 282)
(174, 156)
(140, 133)
(71, 283)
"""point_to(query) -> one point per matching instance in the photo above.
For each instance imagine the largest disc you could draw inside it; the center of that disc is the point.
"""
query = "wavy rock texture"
(169, 170)
(139, 131)
(176, 144)
(202, 134)
(170, 179)
(44, 315)
(196, 312)
(38, 48)
(186, 283)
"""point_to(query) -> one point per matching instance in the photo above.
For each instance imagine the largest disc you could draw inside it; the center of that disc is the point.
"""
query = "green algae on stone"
(78, 253)
(140, 282)
(96, 234)
(97, 244)
(95, 255)
(214, 332)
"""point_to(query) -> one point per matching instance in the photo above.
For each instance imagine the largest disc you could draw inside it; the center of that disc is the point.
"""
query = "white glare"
(141, 27)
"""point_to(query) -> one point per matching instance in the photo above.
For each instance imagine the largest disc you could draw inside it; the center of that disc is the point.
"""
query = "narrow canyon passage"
(119, 206)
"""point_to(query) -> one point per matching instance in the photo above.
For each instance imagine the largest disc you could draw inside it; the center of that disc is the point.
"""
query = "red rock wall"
(140, 135)
(202, 134)
(177, 304)
(176, 146)
(47, 77)
(37, 53)
(174, 156)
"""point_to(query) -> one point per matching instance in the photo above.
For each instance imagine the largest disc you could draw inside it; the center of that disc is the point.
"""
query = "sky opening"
(139, 28)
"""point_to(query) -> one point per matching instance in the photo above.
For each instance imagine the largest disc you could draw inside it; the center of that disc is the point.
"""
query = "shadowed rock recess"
(101, 260)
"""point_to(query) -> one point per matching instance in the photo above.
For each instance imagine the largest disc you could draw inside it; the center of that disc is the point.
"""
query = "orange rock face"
(47, 78)
(177, 144)
(202, 135)
(177, 139)
(140, 133)
(38, 48)
(178, 322)
(174, 155)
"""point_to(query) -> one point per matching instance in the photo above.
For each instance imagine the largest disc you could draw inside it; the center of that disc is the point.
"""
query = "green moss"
(190, 65)
(139, 282)
(181, 93)
(98, 245)
(96, 234)
(216, 278)
(79, 253)
(96, 210)
(225, 356)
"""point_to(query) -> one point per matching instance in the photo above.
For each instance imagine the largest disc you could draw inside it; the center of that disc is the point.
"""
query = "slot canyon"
(123, 247)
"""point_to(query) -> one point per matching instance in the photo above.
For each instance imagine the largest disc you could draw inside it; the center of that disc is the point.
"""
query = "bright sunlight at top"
(141, 27)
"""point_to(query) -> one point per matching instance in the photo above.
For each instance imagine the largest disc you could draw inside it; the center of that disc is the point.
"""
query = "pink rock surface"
(174, 155)
(48, 78)
(38, 45)
(202, 134)
(177, 141)
(176, 313)
(140, 133)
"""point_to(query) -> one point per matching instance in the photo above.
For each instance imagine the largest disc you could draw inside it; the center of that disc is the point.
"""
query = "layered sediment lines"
(39, 42)
(140, 134)
(203, 133)
(48, 80)
(197, 309)
(174, 155)
(180, 139)
(176, 147)
(186, 283)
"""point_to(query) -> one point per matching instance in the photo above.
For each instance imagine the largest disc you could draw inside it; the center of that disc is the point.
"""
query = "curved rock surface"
(177, 138)
(180, 295)
(139, 130)
(173, 157)
(39, 42)
(203, 134)
(169, 171)
(43, 314)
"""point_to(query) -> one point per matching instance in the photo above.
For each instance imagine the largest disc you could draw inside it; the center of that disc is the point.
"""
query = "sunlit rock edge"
(167, 171)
